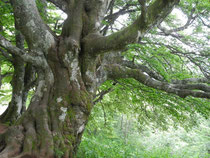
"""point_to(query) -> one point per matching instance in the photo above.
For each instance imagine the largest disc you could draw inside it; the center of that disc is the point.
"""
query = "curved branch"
(183, 90)
(111, 18)
(101, 95)
(29, 22)
(155, 14)
(192, 80)
(207, 25)
(143, 68)
(190, 20)
(61, 4)
(35, 60)
(124, 10)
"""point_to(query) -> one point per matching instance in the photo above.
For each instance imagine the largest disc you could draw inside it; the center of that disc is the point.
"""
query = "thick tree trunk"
(53, 124)
(66, 73)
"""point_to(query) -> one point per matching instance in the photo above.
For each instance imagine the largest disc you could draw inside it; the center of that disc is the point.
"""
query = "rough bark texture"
(15, 106)
(69, 69)
(0, 78)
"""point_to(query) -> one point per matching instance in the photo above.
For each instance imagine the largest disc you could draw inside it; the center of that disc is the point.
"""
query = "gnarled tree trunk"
(69, 69)
(53, 124)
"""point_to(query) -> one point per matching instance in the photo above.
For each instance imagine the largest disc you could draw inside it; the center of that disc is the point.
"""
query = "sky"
(2, 109)
(3, 104)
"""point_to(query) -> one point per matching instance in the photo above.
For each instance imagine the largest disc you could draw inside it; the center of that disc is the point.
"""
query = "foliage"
(121, 137)
(173, 55)
(151, 106)
(126, 122)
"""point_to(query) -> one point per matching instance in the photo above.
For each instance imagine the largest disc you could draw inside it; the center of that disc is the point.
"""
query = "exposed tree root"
(11, 142)
(35, 137)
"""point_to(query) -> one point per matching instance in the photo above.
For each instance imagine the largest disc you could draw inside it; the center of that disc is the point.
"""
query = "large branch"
(192, 80)
(183, 90)
(35, 60)
(149, 17)
(117, 58)
(29, 22)
(141, 67)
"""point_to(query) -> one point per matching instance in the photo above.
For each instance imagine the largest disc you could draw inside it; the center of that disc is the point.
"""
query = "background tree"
(65, 67)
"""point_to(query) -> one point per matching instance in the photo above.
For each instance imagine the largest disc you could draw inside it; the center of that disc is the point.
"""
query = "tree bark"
(0, 78)
(53, 124)
(69, 69)
(15, 106)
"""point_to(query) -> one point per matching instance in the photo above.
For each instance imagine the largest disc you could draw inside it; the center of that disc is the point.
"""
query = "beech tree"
(66, 68)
